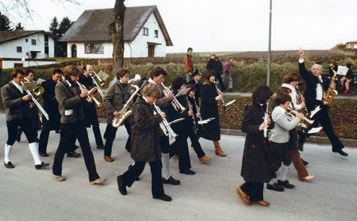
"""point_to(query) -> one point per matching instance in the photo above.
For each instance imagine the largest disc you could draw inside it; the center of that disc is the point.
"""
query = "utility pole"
(269, 48)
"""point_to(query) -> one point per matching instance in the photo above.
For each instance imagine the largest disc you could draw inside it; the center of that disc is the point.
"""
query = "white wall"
(136, 48)
(9, 49)
(11, 64)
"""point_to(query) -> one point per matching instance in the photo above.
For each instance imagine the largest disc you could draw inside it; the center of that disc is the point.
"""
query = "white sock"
(272, 181)
(34, 151)
(165, 165)
(7, 152)
(284, 172)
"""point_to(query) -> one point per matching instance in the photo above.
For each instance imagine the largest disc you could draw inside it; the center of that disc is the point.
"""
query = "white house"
(25, 48)
(145, 34)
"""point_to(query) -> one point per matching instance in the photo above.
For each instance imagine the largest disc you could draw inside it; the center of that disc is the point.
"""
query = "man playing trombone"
(90, 107)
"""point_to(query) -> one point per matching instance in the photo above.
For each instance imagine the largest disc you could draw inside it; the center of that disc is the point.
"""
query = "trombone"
(175, 103)
(101, 82)
(37, 103)
(89, 98)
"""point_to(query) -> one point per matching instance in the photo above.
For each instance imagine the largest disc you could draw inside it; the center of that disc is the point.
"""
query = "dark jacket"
(70, 104)
(90, 110)
(256, 163)
(209, 108)
(183, 126)
(198, 86)
(145, 145)
(311, 84)
(114, 99)
(15, 108)
(50, 105)
(212, 66)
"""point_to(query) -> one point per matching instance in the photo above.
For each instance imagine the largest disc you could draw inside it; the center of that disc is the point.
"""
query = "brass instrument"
(330, 93)
(34, 100)
(175, 103)
(101, 81)
(165, 126)
(38, 91)
(89, 98)
(305, 123)
(125, 112)
(96, 83)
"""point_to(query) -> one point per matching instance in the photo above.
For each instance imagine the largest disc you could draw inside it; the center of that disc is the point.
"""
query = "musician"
(157, 76)
(279, 142)
(114, 99)
(209, 109)
(35, 119)
(188, 64)
(333, 67)
(257, 168)
(70, 105)
(348, 78)
(50, 105)
(145, 143)
(316, 87)
(196, 81)
(18, 114)
(90, 108)
(180, 146)
(193, 128)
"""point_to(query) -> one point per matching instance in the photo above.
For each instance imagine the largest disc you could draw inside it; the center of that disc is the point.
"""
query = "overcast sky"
(228, 25)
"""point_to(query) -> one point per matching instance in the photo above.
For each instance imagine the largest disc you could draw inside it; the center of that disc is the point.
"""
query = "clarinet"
(219, 92)
(195, 129)
(197, 108)
(266, 120)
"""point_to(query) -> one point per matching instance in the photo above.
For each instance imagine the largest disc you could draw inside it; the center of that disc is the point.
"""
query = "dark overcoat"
(50, 105)
(256, 163)
(182, 126)
(145, 145)
(209, 108)
(90, 110)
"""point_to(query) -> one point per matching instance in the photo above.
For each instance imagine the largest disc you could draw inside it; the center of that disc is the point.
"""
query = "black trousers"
(164, 144)
(97, 135)
(42, 147)
(253, 190)
(69, 134)
(180, 148)
(323, 118)
(12, 126)
(195, 144)
(135, 170)
(109, 136)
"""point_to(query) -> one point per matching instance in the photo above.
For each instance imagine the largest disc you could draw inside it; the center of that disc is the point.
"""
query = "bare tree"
(116, 30)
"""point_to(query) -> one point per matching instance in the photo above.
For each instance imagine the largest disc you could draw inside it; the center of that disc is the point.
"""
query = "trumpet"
(37, 103)
(101, 82)
(165, 126)
(305, 123)
(125, 112)
(175, 103)
(89, 98)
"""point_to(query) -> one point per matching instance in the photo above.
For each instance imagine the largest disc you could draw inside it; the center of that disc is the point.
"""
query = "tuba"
(125, 112)
(330, 93)
(304, 123)
(175, 103)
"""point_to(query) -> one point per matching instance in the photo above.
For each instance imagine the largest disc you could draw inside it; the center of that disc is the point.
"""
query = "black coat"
(145, 132)
(212, 65)
(90, 110)
(198, 86)
(180, 127)
(50, 105)
(209, 108)
(256, 163)
(311, 84)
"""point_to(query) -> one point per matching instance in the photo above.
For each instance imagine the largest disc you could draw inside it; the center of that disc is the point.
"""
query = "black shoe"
(171, 180)
(57, 131)
(275, 187)
(286, 184)
(73, 154)
(9, 165)
(304, 162)
(121, 186)
(341, 152)
(163, 197)
(43, 154)
(188, 172)
(41, 166)
(101, 147)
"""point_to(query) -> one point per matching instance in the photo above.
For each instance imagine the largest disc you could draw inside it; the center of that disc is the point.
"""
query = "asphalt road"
(29, 194)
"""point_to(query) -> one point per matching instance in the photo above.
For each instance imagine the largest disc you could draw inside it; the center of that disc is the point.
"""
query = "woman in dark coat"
(256, 165)
(209, 109)
(145, 144)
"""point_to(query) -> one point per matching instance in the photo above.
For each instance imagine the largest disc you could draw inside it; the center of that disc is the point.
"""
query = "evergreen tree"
(19, 27)
(64, 26)
(4, 23)
(54, 28)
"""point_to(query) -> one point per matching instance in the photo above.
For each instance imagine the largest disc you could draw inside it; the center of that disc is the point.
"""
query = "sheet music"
(342, 70)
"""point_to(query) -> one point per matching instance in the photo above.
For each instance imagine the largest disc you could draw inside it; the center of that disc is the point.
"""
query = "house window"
(19, 49)
(156, 33)
(94, 48)
(33, 41)
(145, 31)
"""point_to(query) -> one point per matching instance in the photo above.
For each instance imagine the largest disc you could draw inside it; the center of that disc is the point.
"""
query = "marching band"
(159, 120)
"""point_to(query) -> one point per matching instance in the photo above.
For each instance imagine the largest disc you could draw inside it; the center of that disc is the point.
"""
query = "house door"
(74, 51)
(151, 49)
